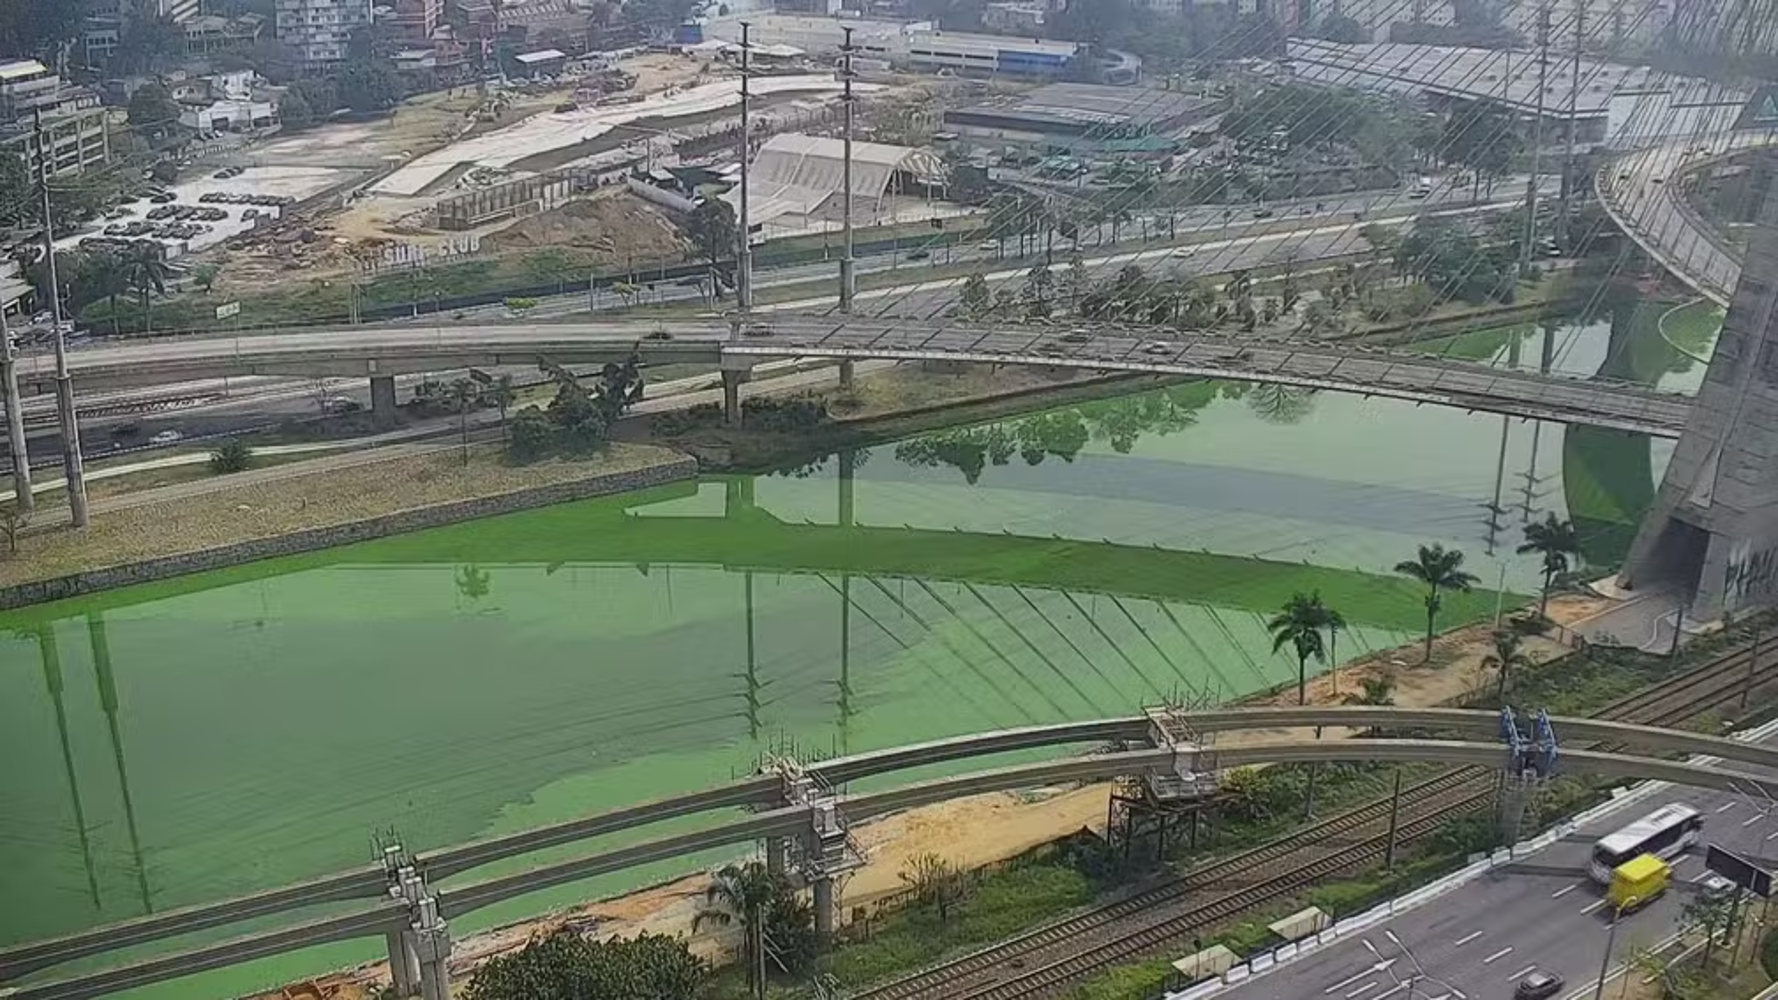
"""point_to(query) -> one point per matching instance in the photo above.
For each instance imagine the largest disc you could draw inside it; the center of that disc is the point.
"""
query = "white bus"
(1664, 833)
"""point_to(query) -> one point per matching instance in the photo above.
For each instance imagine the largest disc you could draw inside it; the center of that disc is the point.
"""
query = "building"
(1015, 18)
(1615, 105)
(318, 31)
(795, 181)
(209, 33)
(544, 62)
(917, 45)
(413, 21)
(226, 102)
(1083, 119)
(75, 124)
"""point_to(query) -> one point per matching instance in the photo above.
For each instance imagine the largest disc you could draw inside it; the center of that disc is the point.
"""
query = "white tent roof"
(796, 174)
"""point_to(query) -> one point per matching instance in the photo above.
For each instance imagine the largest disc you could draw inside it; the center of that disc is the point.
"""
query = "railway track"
(1042, 960)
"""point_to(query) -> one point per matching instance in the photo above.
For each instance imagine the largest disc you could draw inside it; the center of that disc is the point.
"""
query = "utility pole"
(1394, 817)
(744, 255)
(1580, 24)
(15, 419)
(72, 471)
(847, 278)
(1543, 65)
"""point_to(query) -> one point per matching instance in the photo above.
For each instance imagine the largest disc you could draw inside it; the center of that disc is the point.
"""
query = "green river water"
(178, 743)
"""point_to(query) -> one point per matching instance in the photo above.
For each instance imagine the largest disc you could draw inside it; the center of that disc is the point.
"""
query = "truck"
(1637, 882)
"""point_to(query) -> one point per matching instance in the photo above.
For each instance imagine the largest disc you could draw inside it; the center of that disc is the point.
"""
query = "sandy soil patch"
(615, 224)
(279, 500)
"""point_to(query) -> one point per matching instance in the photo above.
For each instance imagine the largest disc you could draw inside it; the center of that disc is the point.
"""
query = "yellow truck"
(1638, 881)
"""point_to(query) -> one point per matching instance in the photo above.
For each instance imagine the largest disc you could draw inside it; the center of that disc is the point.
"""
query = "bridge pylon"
(1712, 534)
(1171, 805)
(419, 953)
(822, 853)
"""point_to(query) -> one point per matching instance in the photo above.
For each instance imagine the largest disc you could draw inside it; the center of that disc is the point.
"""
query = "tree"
(1075, 280)
(1440, 569)
(1711, 913)
(1039, 284)
(147, 43)
(1506, 660)
(580, 423)
(714, 230)
(530, 436)
(936, 883)
(294, 111)
(233, 456)
(1379, 690)
(1343, 30)
(145, 271)
(12, 522)
(1556, 541)
(1299, 625)
(741, 893)
(975, 296)
(15, 190)
(204, 276)
(369, 86)
(463, 398)
(501, 393)
(473, 582)
(565, 966)
(152, 110)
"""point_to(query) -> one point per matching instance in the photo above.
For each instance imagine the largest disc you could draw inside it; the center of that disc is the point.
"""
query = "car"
(1262, 212)
(657, 335)
(1716, 887)
(757, 328)
(1185, 252)
(1660, 180)
(918, 254)
(1075, 337)
(167, 437)
(340, 404)
(1160, 347)
(990, 246)
(1538, 986)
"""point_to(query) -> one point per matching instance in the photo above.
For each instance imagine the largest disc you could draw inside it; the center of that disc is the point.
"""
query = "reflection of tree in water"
(817, 466)
(1063, 433)
(1281, 404)
(473, 582)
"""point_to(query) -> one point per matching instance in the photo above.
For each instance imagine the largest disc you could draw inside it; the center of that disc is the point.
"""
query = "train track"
(1057, 954)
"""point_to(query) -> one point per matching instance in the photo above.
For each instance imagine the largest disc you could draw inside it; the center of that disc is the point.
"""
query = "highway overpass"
(776, 820)
(381, 353)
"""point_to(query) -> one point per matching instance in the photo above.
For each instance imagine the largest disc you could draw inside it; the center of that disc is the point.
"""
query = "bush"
(1768, 952)
(529, 436)
(233, 456)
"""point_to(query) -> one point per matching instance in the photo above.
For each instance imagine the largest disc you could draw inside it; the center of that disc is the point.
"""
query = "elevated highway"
(774, 820)
(381, 353)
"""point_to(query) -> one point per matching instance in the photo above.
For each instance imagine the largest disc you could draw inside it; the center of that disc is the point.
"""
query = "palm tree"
(1557, 541)
(145, 271)
(1299, 625)
(1505, 659)
(1440, 569)
(501, 394)
(463, 395)
(742, 893)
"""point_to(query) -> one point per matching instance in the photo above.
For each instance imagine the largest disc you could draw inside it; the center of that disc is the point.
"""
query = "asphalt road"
(1638, 186)
(1544, 914)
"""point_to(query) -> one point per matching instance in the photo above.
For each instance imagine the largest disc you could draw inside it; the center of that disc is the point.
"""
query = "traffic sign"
(228, 309)
(1739, 870)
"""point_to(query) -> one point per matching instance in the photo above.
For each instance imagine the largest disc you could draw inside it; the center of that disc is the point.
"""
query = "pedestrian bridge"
(1130, 755)
(380, 353)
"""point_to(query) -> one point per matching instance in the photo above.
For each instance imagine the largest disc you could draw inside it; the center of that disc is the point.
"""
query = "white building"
(318, 31)
(917, 45)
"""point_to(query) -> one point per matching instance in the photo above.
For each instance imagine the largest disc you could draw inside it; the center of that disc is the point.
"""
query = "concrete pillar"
(15, 425)
(404, 969)
(731, 397)
(775, 851)
(433, 945)
(824, 911)
(847, 375)
(848, 488)
(382, 401)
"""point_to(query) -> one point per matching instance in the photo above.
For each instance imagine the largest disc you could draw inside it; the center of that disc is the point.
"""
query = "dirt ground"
(613, 223)
(986, 828)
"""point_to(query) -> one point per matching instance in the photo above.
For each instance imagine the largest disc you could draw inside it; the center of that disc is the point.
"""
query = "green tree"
(530, 436)
(233, 456)
(1040, 284)
(565, 966)
(294, 111)
(1710, 913)
(152, 110)
(369, 86)
(473, 582)
(1506, 659)
(1299, 626)
(975, 297)
(145, 272)
(204, 276)
(147, 43)
(1441, 570)
(501, 393)
(1379, 690)
(936, 883)
(580, 423)
(741, 894)
(714, 229)
(1556, 541)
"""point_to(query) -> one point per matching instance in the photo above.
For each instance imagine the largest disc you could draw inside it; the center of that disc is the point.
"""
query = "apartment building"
(413, 21)
(317, 31)
(75, 125)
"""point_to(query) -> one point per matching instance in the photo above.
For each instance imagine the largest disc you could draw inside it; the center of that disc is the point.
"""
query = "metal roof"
(541, 55)
(20, 68)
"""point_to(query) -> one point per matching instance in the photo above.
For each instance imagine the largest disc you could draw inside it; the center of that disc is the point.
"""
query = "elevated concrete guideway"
(381, 353)
(369, 882)
(386, 918)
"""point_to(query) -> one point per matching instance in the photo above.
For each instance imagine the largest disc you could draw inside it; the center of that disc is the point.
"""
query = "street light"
(1610, 942)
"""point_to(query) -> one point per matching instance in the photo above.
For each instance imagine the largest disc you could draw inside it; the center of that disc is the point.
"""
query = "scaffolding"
(1167, 807)
(1531, 761)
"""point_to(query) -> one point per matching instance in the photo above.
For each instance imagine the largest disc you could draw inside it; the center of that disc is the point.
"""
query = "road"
(1544, 914)
(1637, 191)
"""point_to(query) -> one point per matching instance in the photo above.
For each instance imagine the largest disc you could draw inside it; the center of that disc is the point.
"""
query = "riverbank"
(302, 507)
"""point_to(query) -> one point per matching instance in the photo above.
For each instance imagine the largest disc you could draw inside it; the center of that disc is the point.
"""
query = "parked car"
(167, 437)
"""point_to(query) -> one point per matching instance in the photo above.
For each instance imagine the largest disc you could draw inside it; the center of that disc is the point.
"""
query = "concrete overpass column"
(731, 397)
(847, 375)
(15, 423)
(775, 854)
(848, 486)
(824, 908)
(432, 941)
(404, 963)
(382, 401)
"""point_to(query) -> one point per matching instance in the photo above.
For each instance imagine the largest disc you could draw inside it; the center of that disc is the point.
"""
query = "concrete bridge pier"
(822, 889)
(776, 852)
(735, 370)
(15, 423)
(848, 487)
(404, 963)
(383, 409)
(432, 942)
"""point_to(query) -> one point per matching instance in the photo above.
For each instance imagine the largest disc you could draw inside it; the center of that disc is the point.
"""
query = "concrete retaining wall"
(314, 539)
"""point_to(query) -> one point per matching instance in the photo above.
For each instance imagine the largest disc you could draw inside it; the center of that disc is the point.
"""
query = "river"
(190, 740)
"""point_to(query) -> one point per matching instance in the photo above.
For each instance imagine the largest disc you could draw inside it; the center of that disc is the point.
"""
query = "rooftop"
(18, 69)
(1092, 104)
(542, 55)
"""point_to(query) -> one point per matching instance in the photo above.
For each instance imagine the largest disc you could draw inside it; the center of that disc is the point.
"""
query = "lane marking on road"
(1502, 953)
(1594, 905)
(1522, 973)
(1393, 990)
(1773, 835)
(1349, 980)
(1565, 890)
(1749, 821)
(1725, 807)
(1467, 938)
(1362, 990)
